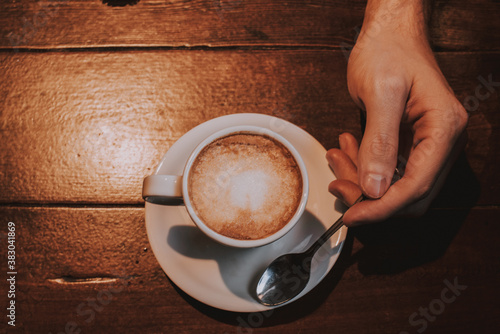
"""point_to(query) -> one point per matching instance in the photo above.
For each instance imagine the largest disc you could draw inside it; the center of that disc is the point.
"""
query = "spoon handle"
(331, 231)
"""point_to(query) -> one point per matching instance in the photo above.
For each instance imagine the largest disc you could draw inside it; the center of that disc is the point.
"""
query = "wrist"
(403, 17)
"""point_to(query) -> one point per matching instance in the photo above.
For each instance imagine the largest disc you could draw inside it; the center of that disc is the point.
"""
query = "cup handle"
(163, 189)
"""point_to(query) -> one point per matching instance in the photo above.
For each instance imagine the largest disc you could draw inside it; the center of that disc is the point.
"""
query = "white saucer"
(225, 277)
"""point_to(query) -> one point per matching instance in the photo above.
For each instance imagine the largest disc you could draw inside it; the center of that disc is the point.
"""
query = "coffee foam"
(245, 186)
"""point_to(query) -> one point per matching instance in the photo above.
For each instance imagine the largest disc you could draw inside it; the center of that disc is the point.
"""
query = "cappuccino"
(245, 186)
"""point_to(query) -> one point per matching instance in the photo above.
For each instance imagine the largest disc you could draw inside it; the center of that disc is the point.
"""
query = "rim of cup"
(246, 243)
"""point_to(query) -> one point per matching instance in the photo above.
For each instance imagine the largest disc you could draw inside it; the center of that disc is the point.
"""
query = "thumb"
(378, 151)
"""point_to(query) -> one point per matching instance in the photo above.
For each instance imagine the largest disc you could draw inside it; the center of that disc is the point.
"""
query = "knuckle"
(419, 202)
(383, 84)
(423, 192)
(382, 146)
(462, 117)
(420, 189)
(456, 118)
(392, 85)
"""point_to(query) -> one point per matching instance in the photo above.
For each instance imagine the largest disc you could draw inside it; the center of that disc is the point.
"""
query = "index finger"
(425, 164)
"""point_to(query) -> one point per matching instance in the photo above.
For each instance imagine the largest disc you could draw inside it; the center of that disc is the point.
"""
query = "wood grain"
(71, 257)
(85, 127)
(88, 127)
(28, 24)
(94, 92)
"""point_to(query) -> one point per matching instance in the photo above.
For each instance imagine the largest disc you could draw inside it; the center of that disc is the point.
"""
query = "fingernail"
(374, 185)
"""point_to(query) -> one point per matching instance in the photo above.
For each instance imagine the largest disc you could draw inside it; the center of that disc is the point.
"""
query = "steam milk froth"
(245, 186)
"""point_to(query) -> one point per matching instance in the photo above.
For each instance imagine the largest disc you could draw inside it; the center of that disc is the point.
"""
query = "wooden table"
(92, 94)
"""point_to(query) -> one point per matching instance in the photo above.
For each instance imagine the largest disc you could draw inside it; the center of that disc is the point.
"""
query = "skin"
(413, 119)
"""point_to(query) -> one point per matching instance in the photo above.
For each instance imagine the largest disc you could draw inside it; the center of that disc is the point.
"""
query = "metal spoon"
(288, 275)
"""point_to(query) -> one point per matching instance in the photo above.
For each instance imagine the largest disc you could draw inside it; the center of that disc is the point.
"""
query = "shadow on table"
(400, 244)
(388, 248)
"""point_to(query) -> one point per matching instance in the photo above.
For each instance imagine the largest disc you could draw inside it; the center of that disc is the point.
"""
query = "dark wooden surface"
(92, 94)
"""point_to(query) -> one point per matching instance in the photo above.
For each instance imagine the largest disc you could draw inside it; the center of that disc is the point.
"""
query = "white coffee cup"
(174, 189)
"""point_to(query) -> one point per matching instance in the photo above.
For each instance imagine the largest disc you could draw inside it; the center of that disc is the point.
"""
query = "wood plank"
(464, 25)
(85, 127)
(384, 275)
(101, 122)
(454, 24)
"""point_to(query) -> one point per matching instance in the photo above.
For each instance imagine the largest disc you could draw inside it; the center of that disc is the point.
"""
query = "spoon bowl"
(288, 275)
(284, 279)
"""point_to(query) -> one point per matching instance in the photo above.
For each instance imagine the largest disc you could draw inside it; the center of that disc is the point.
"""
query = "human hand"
(411, 115)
